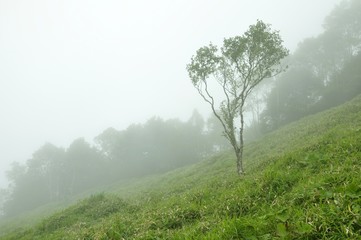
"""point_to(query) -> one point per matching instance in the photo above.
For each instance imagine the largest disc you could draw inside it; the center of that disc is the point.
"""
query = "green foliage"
(303, 183)
(324, 70)
(344, 86)
(88, 210)
(153, 147)
(238, 67)
(54, 175)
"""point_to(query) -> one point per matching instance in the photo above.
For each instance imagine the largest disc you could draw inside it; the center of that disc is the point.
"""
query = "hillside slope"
(302, 182)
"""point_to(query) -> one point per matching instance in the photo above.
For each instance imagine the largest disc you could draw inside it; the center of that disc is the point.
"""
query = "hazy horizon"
(74, 68)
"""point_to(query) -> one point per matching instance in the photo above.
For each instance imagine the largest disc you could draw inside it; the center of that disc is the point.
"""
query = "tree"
(37, 182)
(4, 197)
(344, 23)
(323, 73)
(344, 85)
(215, 140)
(46, 166)
(238, 67)
(84, 167)
(293, 96)
(153, 147)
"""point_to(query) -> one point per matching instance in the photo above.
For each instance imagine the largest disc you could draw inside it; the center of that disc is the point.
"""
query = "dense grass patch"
(302, 182)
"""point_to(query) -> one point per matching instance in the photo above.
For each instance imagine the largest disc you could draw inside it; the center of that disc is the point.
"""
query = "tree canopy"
(56, 174)
(323, 70)
(238, 67)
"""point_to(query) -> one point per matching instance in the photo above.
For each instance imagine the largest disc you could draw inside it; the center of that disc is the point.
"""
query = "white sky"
(72, 68)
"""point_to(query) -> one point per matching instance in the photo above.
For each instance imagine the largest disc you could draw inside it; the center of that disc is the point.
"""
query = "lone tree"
(238, 67)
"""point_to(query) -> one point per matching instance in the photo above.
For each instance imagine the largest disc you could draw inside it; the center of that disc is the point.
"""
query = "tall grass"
(302, 182)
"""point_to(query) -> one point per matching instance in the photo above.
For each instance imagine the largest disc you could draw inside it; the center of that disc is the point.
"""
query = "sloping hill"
(302, 182)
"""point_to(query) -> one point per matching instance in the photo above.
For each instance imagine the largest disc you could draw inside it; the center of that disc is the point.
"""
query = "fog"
(72, 69)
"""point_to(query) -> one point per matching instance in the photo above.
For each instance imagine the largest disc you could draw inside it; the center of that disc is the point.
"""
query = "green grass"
(302, 182)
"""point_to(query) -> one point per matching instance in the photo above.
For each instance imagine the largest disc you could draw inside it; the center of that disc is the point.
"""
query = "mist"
(72, 69)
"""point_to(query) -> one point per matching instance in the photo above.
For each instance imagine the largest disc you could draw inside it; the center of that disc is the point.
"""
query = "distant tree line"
(323, 72)
(55, 174)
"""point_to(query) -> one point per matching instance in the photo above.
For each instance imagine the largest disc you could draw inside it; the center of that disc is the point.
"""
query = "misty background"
(72, 69)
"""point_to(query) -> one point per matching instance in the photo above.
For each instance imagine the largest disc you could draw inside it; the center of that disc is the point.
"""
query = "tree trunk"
(241, 143)
(237, 146)
(239, 157)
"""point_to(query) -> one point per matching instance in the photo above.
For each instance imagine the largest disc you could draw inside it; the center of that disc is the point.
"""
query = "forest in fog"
(323, 72)
(157, 146)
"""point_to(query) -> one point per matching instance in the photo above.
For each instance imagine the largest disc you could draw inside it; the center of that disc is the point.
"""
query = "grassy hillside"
(302, 182)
